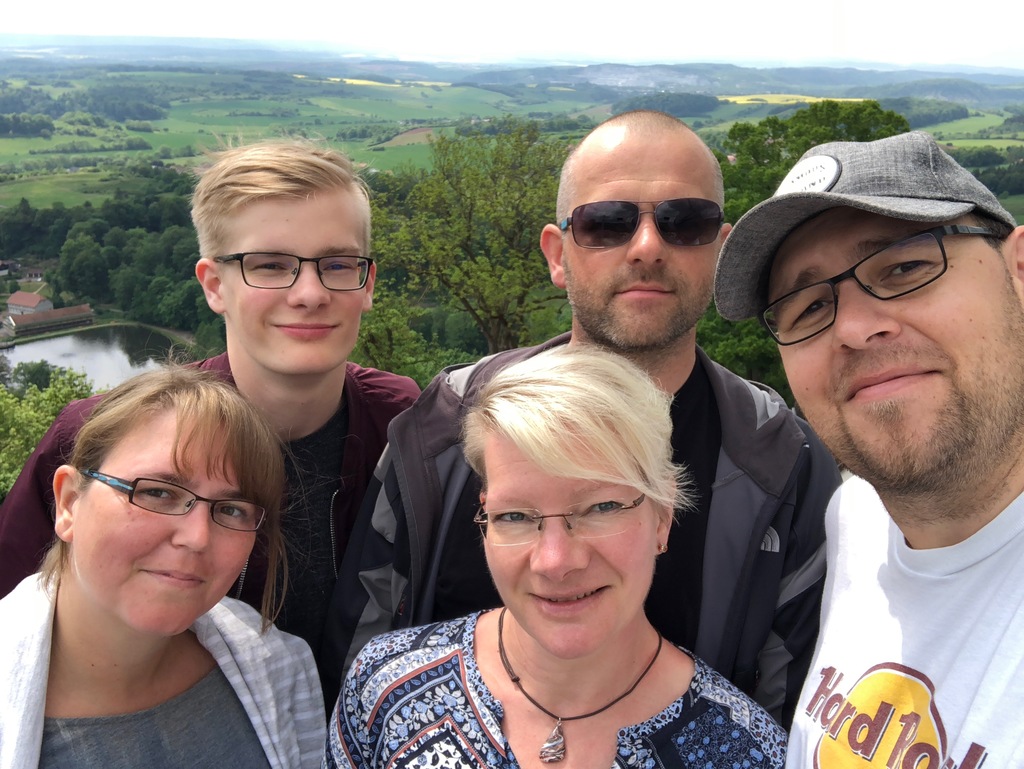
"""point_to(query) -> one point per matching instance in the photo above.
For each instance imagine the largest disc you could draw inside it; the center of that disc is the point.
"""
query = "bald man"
(740, 584)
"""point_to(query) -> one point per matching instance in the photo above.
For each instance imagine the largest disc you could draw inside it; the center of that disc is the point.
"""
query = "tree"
(33, 373)
(764, 152)
(82, 270)
(24, 420)
(678, 104)
(209, 339)
(842, 121)
(977, 157)
(176, 307)
(51, 227)
(387, 340)
(468, 237)
(128, 286)
(16, 232)
(146, 308)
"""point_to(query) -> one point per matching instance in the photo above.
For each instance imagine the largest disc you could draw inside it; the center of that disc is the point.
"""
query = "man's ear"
(551, 243)
(371, 280)
(209, 279)
(1013, 253)
(66, 493)
(1015, 242)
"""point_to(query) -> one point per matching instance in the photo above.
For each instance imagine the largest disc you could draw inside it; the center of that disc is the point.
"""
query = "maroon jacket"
(26, 515)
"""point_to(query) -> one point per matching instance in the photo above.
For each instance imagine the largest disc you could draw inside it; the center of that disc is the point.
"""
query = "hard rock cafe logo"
(887, 719)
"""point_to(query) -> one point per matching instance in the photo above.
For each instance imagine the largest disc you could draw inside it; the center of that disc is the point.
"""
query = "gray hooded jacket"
(764, 557)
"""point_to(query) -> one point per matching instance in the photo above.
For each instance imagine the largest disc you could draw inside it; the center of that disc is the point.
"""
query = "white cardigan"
(273, 675)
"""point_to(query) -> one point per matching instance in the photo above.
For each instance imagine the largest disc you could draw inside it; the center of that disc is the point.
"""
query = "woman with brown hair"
(124, 651)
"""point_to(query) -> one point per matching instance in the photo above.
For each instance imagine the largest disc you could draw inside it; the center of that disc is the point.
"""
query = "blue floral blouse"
(415, 699)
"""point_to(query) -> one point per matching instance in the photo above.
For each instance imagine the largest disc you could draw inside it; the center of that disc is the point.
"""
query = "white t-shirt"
(920, 659)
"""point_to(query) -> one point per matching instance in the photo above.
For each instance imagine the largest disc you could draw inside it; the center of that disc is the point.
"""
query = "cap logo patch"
(818, 173)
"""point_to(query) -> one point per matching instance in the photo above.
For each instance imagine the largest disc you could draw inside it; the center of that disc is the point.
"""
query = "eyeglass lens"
(170, 499)
(339, 273)
(905, 266)
(681, 222)
(520, 527)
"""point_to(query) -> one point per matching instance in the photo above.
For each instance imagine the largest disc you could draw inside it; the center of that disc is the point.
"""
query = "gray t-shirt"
(205, 726)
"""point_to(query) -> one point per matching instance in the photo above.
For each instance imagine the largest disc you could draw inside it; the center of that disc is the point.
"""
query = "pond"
(108, 355)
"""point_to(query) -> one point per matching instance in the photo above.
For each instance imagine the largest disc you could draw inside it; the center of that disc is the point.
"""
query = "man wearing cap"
(893, 282)
(639, 226)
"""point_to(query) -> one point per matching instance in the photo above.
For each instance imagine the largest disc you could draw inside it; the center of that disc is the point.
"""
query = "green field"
(999, 143)
(967, 126)
(381, 125)
(71, 189)
(210, 110)
(388, 159)
(1015, 205)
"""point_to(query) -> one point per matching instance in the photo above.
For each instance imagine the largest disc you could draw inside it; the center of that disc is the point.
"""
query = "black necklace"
(553, 748)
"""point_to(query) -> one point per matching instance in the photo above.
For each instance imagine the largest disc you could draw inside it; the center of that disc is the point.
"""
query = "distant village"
(29, 314)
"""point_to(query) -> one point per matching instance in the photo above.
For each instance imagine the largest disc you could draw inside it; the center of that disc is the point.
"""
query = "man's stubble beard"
(640, 339)
(981, 423)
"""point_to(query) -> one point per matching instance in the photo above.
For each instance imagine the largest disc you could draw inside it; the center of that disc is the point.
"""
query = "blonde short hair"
(216, 427)
(295, 169)
(585, 413)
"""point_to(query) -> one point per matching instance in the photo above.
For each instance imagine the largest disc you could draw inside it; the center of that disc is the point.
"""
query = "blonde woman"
(574, 450)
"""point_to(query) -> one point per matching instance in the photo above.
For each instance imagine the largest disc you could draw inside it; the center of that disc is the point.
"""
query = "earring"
(663, 548)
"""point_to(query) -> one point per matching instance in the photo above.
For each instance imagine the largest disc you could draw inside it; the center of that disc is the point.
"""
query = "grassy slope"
(209, 109)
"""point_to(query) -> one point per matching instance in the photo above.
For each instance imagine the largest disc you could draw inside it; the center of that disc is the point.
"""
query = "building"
(25, 303)
(49, 320)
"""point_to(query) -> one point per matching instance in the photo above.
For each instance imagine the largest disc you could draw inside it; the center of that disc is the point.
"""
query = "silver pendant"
(553, 749)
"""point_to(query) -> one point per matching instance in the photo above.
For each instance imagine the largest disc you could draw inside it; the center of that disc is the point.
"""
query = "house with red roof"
(25, 303)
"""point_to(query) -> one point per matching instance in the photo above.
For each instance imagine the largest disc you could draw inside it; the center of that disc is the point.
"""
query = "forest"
(460, 273)
(456, 213)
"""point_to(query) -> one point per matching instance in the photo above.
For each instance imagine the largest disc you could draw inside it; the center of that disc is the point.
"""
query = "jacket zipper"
(241, 580)
(334, 539)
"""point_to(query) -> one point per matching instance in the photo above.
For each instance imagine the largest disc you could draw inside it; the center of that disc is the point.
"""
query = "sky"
(745, 32)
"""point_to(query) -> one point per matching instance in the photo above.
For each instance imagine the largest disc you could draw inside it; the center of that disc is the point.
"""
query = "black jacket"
(764, 558)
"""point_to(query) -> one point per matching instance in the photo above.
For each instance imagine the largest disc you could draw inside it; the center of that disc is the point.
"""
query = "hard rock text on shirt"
(888, 718)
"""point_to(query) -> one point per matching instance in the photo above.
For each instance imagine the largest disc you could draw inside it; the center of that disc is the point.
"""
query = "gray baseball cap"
(904, 177)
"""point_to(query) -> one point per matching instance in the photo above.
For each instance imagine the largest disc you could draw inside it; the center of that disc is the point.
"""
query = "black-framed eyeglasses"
(267, 269)
(611, 223)
(166, 498)
(523, 526)
(894, 271)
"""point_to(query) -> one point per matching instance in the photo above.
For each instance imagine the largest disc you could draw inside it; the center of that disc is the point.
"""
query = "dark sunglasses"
(611, 223)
